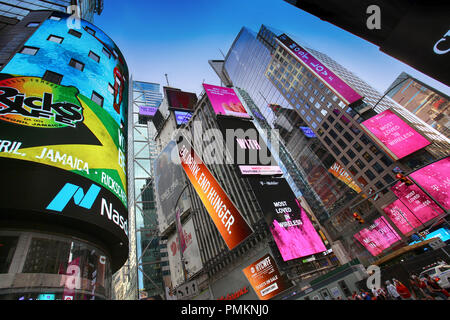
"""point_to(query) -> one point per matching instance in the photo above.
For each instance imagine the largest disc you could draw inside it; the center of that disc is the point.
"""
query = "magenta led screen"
(402, 217)
(339, 86)
(422, 206)
(435, 179)
(378, 237)
(291, 228)
(397, 137)
(225, 101)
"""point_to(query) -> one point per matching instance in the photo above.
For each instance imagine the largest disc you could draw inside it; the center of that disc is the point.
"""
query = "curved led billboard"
(63, 142)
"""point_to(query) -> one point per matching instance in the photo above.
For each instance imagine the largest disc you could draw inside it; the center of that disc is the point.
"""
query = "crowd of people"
(425, 288)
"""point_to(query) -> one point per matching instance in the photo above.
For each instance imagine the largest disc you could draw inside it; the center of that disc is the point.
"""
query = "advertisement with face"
(229, 221)
(169, 183)
(435, 179)
(335, 83)
(378, 237)
(288, 222)
(394, 135)
(225, 101)
(265, 278)
(247, 148)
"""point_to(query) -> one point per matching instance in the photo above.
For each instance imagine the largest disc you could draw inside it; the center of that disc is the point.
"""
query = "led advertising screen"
(169, 183)
(265, 278)
(231, 225)
(378, 237)
(182, 117)
(288, 222)
(345, 92)
(435, 179)
(307, 131)
(422, 206)
(339, 172)
(247, 148)
(180, 100)
(402, 217)
(225, 101)
(394, 135)
(147, 111)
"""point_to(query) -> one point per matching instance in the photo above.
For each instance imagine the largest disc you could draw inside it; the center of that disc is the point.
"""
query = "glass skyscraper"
(321, 134)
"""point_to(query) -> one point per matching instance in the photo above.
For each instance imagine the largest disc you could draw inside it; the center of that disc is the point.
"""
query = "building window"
(344, 160)
(98, 99)
(386, 161)
(377, 167)
(348, 137)
(55, 39)
(93, 56)
(75, 33)
(357, 146)
(29, 50)
(342, 144)
(33, 24)
(364, 139)
(370, 175)
(351, 154)
(333, 134)
(352, 170)
(367, 156)
(53, 77)
(76, 64)
(360, 164)
(336, 150)
(89, 30)
(388, 179)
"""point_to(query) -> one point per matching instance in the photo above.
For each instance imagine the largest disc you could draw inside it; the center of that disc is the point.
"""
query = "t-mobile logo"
(70, 191)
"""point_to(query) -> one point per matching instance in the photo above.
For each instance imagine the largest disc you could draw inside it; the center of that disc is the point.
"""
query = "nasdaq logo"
(71, 191)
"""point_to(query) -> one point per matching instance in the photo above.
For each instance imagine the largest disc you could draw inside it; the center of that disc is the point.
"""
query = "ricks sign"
(227, 218)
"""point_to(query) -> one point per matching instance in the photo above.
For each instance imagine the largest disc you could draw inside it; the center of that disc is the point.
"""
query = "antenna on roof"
(167, 79)
(222, 53)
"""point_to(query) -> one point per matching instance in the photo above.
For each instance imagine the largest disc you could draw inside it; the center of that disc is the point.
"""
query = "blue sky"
(179, 37)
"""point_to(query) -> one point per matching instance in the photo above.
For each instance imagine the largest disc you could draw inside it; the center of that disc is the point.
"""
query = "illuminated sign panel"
(402, 217)
(147, 111)
(435, 179)
(247, 147)
(227, 218)
(308, 132)
(288, 222)
(180, 100)
(335, 83)
(378, 237)
(182, 117)
(394, 135)
(339, 172)
(265, 278)
(225, 101)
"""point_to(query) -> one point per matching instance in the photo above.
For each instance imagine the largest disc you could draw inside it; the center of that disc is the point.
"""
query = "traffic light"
(358, 217)
(404, 179)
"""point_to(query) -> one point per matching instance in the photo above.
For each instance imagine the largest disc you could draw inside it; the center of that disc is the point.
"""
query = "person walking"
(392, 291)
(402, 290)
(434, 288)
(417, 290)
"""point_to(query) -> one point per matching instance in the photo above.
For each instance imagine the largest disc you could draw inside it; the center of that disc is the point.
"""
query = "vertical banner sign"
(265, 278)
(225, 101)
(227, 218)
(288, 222)
(339, 86)
(393, 134)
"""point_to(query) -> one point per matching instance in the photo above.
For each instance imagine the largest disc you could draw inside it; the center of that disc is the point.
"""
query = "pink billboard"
(225, 101)
(435, 179)
(378, 237)
(416, 201)
(339, 86)
(402, 217)
(291, 228)
(394, 135)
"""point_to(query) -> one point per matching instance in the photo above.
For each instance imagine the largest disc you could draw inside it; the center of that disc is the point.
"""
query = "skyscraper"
(342, 162)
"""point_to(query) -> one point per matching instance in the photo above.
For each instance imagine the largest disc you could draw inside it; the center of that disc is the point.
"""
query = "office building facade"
(64, 106)
(427, 103)
(338, 159)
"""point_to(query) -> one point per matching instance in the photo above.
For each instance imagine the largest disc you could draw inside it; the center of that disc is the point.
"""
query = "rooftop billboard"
(394, 135)
(225, 101)
(180, 100)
